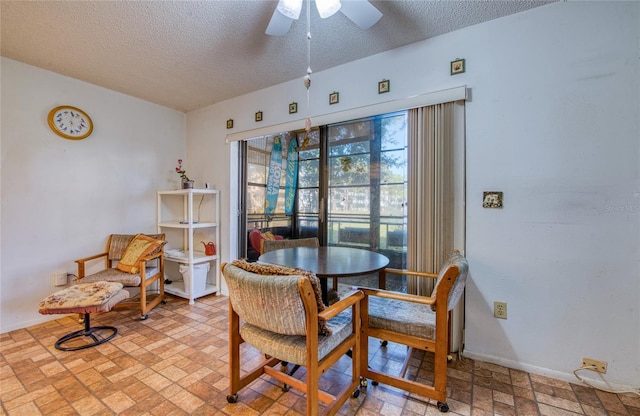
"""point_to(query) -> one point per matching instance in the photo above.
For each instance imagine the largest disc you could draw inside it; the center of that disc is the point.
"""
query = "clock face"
(70, 122)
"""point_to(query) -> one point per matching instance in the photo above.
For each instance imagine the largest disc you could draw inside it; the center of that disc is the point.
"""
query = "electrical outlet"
(500, 310)
(595, 365)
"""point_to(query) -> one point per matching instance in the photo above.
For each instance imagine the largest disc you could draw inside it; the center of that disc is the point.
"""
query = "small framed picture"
(259, 116)
(334, 98)
(383, 86)
(457, 66)
(293, 108)
(230, 123)
(492, 199)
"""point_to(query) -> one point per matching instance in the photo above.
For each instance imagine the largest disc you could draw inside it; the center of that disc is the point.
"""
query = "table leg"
(382, 279)
(325, 290)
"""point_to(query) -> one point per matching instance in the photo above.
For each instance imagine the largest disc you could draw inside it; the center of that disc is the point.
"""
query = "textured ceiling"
(190, 54)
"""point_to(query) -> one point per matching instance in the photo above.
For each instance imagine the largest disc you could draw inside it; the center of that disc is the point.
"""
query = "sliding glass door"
(367, 185)
(351, 187)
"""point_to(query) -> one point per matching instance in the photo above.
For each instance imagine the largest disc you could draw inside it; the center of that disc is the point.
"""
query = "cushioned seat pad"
(292, 348)
(84, 298)
(115, 275)
(401, 316)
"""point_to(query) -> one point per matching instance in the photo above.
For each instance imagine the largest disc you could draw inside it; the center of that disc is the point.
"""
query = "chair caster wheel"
(384, 343)
(164, 302)
(443, 407)
(356, 394)
(232, 398)
(375, 383)
(286, 388)
(144, 317)
(363, 382)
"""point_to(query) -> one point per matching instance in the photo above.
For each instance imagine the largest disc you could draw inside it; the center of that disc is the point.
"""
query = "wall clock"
(70, 122)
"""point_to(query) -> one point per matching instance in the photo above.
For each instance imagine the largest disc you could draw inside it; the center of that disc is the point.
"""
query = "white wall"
(62, 198)
(553, 123)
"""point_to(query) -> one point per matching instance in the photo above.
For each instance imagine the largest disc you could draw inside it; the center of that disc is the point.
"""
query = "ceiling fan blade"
(279, 24)
(361, 12)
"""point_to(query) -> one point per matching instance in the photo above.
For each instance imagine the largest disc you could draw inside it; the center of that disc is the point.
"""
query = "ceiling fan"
(361, 12)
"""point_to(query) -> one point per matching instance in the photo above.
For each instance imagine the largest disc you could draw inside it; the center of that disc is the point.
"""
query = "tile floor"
(175, 363)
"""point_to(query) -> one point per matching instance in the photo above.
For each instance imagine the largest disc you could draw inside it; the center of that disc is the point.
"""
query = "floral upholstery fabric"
(84, 298)
(277, 304)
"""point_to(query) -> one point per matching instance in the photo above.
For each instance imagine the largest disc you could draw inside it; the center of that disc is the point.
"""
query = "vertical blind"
(430, 234)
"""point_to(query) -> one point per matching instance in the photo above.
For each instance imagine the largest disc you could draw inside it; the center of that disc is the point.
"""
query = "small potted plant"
(186, 182)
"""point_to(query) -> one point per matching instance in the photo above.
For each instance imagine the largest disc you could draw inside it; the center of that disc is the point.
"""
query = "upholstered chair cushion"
(290, 305)
(115, 275)
(293, 349)
(455, 259)
(256, 238)
(84, 298)
(119, 243)
(139, 247)
(407, 317)
(413, 318)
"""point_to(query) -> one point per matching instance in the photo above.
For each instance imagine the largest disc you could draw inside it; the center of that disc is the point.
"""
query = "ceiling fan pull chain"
(307, 78)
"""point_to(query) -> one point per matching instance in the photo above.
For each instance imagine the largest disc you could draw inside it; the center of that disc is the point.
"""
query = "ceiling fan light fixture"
(327, 8)
(290, 8)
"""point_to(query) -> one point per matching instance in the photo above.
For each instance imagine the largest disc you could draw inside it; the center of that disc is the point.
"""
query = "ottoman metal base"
(96, 336)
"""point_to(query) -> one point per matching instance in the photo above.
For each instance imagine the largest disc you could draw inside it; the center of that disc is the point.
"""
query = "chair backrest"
(266, 301)
(270, 245)
(117, 244)
(455, 259)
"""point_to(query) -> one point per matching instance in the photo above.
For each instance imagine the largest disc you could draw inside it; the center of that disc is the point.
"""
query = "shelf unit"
(179, 213)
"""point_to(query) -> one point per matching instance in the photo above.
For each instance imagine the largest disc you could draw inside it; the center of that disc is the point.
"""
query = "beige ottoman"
(85, 298)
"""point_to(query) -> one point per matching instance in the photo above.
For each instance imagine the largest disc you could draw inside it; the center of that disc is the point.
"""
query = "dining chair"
(279, 312)
(270, 245)
(419, 322)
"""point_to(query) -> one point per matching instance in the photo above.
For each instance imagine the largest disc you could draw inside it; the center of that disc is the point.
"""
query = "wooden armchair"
(279, 312)
(147, 270)
(418, 322)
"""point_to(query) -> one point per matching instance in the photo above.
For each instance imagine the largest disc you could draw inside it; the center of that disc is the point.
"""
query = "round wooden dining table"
(329, 262)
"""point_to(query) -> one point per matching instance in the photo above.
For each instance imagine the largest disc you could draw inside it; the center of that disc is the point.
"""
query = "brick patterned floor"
(176, 363)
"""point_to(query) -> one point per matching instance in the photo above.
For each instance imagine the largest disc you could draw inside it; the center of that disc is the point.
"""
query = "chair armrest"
(424, 300)
(96, 256)
(349, 300)
(153, 256)
(142, 265)
(81, 262)
(412, 273)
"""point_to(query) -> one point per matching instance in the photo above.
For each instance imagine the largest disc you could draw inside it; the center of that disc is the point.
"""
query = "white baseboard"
(546, 372)
(36, 321)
